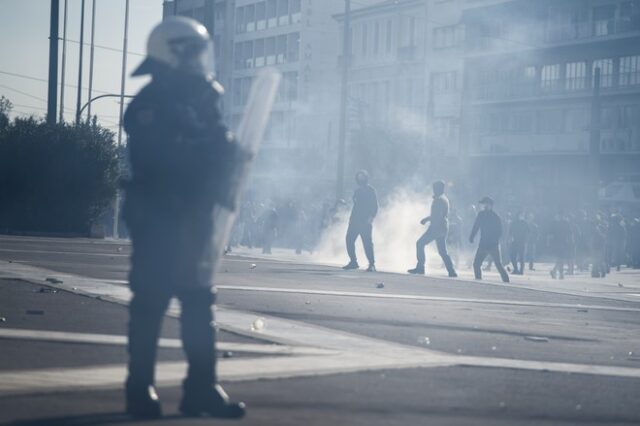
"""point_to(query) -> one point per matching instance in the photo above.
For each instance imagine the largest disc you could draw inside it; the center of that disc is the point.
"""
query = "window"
(606, 72)
(604, 20)
(258, 48)
(388, 36)
(376, 38)
(444, 37)
(272, 18)
(240, 20)
(283, 12)
(444, 82)
(521, 122)
(629, 16)
(247, 51)
(246, 87)
(296, 11)
(576, 75)
(261, 16)
(408, 31)
(629, 70)
(365, 38)
(220, 11)
(237, 56)
(293, 47)
(250, 18)
(270, 50)
(550, 77)
(281, 49)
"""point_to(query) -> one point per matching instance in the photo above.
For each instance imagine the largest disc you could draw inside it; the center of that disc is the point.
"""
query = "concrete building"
(295, 37)
(534, 131)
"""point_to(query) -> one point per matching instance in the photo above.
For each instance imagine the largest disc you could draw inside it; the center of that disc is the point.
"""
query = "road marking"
(77, 253)
(117, 340)
(347, 353)
(424, 298)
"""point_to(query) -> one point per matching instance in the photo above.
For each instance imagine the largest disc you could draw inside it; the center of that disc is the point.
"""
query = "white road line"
(116, 340)
(77, 253)
(351, 353)
(425, 298)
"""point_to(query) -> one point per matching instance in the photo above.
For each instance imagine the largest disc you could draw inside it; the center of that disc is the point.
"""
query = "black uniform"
(489, 224)
(178, 150)
(519, 234)
(365, 209)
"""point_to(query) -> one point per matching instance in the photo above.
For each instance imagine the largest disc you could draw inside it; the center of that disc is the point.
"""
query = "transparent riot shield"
(249, 136)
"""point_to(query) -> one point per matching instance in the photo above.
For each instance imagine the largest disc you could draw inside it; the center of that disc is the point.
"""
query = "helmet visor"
(194, 56)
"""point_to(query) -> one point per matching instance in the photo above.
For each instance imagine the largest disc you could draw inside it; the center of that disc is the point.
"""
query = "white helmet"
(181, 44)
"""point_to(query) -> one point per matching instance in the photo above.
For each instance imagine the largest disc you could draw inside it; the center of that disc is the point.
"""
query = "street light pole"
(80, 63)
(91, 55)
(116, 208)
(64, 61)
(52, 95)
(342, 132)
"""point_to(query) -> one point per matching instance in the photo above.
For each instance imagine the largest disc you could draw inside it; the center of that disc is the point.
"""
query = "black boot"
(143, 402)
(351, 265)
(213, 402)
(418, 270)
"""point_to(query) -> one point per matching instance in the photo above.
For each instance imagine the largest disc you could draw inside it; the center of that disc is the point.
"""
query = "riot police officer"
(180, 154)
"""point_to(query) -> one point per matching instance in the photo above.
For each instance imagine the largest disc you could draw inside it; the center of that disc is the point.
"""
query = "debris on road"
(53, 280)
(46, 290)
(34, 312)
(502, 404)
(424, 340)
(119, 248)
(536, 339)
(494, 348)
(578, 407)
(3, 319)
(380, 285)
(583, 310)
(307, 302)
(253, 266)
(258, 324)
(633, 357)
(227, 354)
(620, 285)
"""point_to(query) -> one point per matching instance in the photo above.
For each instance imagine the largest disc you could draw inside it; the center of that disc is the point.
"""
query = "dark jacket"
(180, 156)
(490, 226)
(519, 232)
(365, 205)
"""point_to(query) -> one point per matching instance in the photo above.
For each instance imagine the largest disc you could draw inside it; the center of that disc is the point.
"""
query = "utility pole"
(342, 131)
(116, 209)
(52, 96)
(91, 54)
(594, 140)
(64, 62)
(80, 63)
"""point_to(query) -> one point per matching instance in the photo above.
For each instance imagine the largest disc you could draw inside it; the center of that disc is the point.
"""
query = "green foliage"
(57, 179)
(5, 108)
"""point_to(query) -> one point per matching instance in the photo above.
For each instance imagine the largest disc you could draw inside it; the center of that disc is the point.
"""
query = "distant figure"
(437, 231)
(634, 243)
(365, 209)
(269, 229)
(518, 236)
(616, 241)
(561, 244)
(532, 241)
(489, 224)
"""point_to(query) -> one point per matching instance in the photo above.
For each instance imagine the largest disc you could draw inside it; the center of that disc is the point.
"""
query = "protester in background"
(437, 231)
(518, 236)
(489, 224)
(561, 238)
(365, 209)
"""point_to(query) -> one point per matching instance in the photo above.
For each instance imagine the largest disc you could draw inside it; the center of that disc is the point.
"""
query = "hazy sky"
(24, 31)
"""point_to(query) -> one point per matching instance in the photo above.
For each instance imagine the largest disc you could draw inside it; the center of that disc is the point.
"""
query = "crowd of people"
(581, 240)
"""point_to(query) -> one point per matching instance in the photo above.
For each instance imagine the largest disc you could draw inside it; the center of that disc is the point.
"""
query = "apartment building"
(530, 104)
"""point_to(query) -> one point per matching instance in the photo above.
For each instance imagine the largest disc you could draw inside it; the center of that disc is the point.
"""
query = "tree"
(5, 108)
(55, 178)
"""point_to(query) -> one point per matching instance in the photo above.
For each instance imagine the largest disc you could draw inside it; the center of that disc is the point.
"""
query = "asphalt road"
(398, 349)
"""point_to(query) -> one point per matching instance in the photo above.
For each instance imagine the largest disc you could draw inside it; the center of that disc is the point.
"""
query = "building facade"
(534, 128)
(292, 36)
